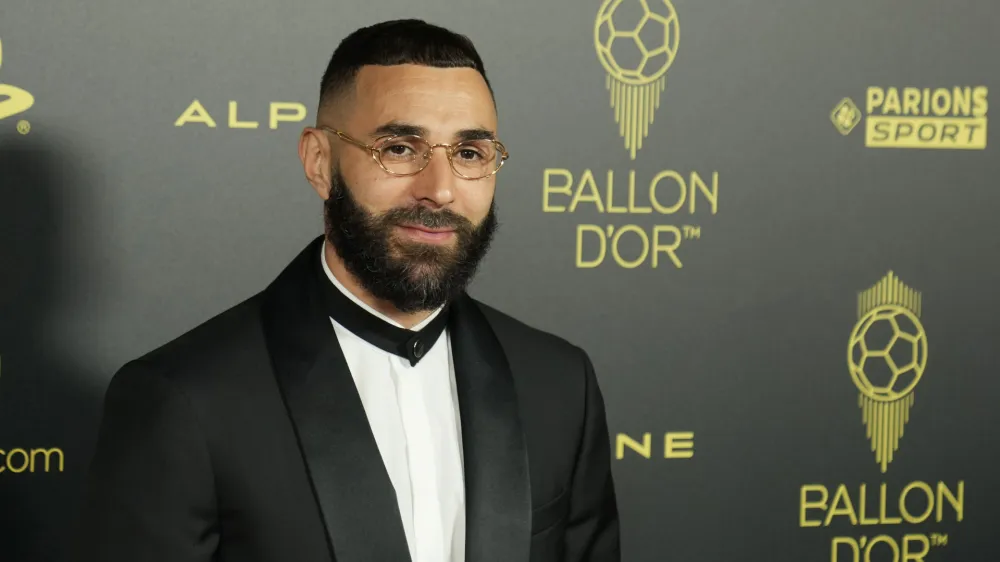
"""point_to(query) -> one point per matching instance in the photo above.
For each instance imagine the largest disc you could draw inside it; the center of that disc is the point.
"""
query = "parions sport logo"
(908, 117)
(636, 43)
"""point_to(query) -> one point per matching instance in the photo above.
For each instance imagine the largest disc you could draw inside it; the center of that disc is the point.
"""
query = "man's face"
(413, 240)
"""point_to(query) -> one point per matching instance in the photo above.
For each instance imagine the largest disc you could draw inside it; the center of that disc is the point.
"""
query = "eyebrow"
(401, 128)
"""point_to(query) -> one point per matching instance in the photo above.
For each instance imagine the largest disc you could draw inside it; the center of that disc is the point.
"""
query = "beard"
(411, 275)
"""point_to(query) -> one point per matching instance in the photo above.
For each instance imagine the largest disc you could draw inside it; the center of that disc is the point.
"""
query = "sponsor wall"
(771, 224)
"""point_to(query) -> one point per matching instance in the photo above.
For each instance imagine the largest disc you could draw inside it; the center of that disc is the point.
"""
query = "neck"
(337, 268)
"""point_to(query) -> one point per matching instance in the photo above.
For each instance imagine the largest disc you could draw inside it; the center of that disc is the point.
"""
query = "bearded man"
(363, 407)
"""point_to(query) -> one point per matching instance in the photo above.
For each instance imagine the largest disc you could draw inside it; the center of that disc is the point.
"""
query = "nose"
(435, 184)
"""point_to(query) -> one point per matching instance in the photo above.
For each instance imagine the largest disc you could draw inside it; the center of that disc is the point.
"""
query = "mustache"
(424, 216)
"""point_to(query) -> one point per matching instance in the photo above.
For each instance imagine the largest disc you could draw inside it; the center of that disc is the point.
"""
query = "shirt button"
(418, 348)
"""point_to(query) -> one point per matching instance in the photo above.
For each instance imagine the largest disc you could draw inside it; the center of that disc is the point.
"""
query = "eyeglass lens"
(410, 154)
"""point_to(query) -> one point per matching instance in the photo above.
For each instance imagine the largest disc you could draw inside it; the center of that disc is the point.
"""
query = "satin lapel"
(497, 486)
(355, 497)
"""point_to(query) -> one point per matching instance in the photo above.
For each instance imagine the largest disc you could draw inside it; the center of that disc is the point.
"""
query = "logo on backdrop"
(277, 112)
(908, 117)
(886, 356)
(14, 100)
(636, 48)
(20, 460)
(636, 43)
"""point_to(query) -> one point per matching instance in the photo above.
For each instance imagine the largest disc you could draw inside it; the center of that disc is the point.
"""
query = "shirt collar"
(377, 329)
(336, 283)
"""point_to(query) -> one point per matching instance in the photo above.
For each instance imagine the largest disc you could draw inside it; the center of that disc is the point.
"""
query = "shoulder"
(213, 346)
(522, 339)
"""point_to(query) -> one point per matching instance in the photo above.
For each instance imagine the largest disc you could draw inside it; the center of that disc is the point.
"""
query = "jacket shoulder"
(528, 339)
(214, 343)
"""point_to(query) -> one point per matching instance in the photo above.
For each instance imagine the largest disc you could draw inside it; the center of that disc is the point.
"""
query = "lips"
(427, 229)
(426, 234)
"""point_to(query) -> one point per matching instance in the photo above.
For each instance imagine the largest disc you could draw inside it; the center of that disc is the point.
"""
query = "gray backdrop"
(121, 230)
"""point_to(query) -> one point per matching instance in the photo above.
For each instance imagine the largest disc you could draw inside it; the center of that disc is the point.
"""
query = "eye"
(476, 151)
(402, 149)
(466, 153)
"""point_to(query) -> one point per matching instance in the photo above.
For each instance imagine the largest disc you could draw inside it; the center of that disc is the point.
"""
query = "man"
(363, 407)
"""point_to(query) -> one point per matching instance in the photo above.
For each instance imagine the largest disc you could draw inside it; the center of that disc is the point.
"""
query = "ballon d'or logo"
(636, 41)
(886, 356)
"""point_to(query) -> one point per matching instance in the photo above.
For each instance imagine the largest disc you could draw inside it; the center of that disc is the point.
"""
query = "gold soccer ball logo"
(886, 357)
(636, 41)
(888, 353)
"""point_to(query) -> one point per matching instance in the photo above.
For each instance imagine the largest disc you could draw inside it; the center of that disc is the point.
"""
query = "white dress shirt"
(413, 413)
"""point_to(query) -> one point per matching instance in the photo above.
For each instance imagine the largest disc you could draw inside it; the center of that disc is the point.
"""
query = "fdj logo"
(636, 41)
(14, 100)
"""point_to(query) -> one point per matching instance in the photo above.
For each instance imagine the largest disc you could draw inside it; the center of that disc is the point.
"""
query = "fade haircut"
(406, 41)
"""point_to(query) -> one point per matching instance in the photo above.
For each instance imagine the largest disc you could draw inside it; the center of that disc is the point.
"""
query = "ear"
(315, 152)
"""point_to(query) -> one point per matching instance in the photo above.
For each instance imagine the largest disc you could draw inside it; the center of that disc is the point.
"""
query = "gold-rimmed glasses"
(406, 155)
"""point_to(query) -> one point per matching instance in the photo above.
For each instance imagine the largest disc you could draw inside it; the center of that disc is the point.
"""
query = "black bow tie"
(408, 344)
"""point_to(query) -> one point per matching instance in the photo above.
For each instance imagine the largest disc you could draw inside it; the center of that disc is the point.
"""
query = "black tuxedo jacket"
(245, 440)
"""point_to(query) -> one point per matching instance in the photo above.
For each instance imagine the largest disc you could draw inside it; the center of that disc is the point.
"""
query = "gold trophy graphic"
(636, 41)
(886, 356)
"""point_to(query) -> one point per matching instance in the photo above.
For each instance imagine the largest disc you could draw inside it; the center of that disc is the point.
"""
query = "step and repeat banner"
(772, 224)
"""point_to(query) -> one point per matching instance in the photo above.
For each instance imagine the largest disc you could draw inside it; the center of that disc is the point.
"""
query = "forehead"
(443, 100)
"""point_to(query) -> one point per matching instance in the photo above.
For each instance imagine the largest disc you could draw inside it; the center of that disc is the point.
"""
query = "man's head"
(411, 230)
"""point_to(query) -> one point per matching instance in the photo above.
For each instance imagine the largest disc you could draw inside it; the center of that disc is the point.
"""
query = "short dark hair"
(405, 41)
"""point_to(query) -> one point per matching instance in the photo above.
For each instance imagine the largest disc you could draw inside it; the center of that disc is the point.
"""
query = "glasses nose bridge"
(448, 148)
